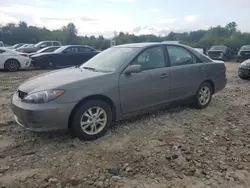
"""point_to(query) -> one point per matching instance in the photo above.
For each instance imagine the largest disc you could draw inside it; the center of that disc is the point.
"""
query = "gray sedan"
(120, 82)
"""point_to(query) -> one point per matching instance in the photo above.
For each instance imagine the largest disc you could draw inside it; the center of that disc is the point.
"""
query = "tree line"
(227, 35)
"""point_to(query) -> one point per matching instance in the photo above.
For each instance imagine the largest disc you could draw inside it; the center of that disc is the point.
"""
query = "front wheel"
(49, 64)
(12, 65)
(91, 120)
(203, 96)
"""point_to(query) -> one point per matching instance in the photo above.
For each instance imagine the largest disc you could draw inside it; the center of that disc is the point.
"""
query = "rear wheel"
(203, 96)
(91, 120)
(12, 65)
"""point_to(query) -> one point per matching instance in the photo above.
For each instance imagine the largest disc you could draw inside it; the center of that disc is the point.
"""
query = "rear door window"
(179, 56)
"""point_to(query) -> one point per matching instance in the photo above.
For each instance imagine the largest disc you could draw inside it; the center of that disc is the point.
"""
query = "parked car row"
(221, 52)
(51, 56)
(115, 84)
(64, 56)
(38, 46)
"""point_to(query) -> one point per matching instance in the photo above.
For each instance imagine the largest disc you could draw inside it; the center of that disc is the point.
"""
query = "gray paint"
(131, 94)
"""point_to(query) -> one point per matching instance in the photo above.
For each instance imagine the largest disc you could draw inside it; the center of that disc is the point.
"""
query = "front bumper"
(244, 72)
(42, 117)
(26, 64)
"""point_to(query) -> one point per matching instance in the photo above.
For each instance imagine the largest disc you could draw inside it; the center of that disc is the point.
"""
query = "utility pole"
(113, 41)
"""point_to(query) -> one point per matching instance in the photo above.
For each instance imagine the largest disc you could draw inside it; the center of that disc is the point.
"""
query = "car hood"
(58, 79)
(247, 62)
(27, 49)
(45, 54)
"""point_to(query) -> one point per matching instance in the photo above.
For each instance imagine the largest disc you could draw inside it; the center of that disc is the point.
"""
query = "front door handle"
(163, 75)
(200, 69)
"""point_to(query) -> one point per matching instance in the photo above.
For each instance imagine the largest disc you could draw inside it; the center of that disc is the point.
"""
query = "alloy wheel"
(93, 120)
(12, 65)
(204, 95)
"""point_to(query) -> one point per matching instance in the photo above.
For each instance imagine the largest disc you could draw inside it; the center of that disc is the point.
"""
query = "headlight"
(43, 96)
(243, 65)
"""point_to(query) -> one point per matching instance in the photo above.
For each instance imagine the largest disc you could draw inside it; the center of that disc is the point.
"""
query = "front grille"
(245, 54)
(214, 54)
(21, 94)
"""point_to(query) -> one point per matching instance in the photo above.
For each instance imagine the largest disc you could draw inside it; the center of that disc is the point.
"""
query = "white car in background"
(12, 60)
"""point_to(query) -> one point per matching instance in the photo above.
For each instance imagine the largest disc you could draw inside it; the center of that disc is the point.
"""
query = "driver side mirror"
(132, 69)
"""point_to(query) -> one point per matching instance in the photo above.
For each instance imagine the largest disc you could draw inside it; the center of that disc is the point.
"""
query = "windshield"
(38, 44)
(246, 47)
(218, 48)
(109, 60)
(25, 45)
(48, 49)
(59, 50)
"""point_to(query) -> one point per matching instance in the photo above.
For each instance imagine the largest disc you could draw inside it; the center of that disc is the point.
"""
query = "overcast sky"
(105, 16)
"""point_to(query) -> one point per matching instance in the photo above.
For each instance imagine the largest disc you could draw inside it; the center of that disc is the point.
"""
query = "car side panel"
(185, 81)
(3, 57)
(217, 74)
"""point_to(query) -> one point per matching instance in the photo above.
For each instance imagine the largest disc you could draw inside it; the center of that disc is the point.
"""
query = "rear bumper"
(220, 81)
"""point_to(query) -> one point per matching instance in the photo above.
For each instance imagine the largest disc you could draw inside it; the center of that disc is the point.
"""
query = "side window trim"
(161, 46)
(190, 52)
(185, 49)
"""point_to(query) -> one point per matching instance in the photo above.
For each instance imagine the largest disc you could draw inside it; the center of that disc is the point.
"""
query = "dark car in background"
(64, 56)
(220, 52)
(47, 49)
(244, 53)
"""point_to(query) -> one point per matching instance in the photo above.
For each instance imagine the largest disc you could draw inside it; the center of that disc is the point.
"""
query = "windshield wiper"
(90, 68)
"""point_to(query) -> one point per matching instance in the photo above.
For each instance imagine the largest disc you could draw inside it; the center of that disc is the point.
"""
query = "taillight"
(24, 54)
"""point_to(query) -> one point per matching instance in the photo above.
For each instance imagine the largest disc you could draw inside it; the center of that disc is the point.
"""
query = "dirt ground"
(173, 148)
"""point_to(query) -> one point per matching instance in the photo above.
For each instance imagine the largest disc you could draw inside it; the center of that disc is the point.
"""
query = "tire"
(12, 65)
(91, 132)
(205, 97)
(48, 64)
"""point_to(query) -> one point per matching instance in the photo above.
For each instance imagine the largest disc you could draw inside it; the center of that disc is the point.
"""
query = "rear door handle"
(200, 69)
(163, 75)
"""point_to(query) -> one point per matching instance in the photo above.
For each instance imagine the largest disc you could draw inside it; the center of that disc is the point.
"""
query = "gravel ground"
(172, 148)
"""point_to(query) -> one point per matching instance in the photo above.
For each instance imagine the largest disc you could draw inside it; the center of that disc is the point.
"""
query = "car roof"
(138, 45)
(76, 46)
(148, 44)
